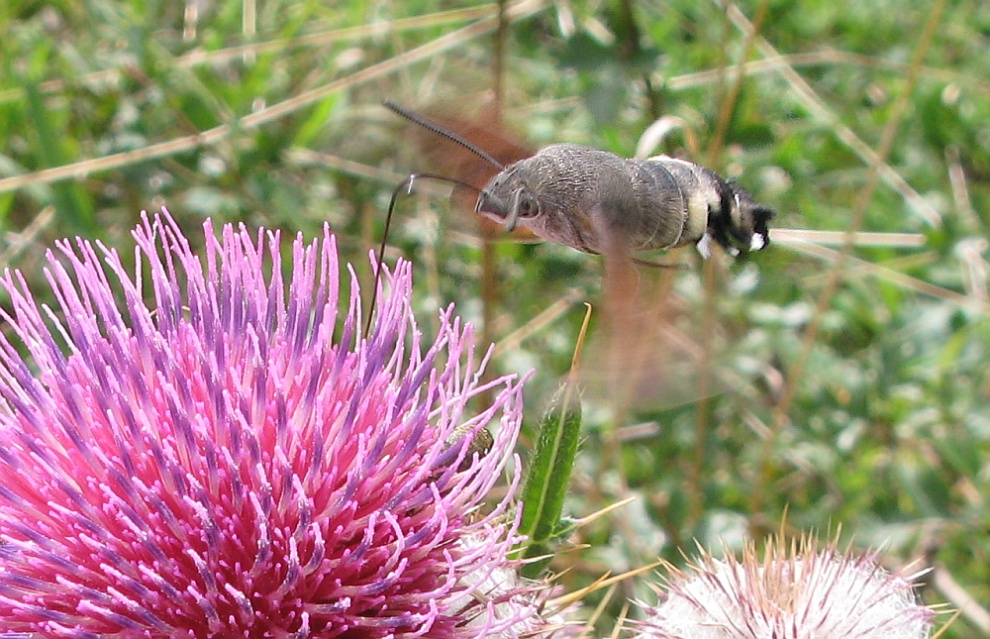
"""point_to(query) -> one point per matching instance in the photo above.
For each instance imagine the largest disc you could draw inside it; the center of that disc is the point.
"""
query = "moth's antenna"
(406, 184)
(443, 132)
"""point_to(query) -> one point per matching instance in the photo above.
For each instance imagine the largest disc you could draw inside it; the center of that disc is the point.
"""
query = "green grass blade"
(72, 204)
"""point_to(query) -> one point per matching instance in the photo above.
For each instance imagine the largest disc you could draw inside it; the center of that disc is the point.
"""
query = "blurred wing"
(651, 354)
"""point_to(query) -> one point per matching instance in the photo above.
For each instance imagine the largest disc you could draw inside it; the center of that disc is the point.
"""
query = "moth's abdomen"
(644, 204)
(697, 190)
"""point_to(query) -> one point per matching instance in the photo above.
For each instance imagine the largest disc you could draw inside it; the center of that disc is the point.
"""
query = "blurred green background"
(843, 384)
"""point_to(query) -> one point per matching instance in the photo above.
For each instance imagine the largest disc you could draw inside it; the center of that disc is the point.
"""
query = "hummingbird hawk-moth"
(596, 201)
(601, 203)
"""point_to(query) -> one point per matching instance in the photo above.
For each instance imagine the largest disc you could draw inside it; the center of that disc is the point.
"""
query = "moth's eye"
(528, 206)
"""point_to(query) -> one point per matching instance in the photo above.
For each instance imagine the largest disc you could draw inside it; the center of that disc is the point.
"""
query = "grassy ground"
(840, 378)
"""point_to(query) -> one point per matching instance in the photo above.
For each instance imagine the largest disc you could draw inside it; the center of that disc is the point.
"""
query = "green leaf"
(549, 475)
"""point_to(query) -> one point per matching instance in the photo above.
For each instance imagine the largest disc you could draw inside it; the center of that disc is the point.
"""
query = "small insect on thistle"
(480, 445)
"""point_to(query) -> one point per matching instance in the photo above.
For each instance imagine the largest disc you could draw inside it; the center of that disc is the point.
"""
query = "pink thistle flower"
(223, 465)
(801, 593)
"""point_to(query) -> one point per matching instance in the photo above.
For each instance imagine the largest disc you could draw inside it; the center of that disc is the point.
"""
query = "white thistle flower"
(800, 592)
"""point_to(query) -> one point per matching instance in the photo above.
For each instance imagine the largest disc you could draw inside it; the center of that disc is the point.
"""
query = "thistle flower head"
(233, 460)
(801, 593)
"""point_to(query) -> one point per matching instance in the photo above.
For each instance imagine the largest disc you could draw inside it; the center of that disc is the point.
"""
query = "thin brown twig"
(800, 237)
(969, 607)
(739, 75)
(25, 237)
(706, 372)
(780, 61)
(863, 267)
(490, 290)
